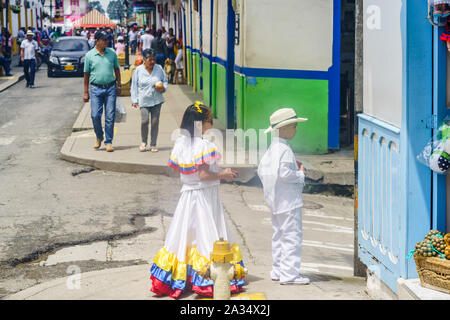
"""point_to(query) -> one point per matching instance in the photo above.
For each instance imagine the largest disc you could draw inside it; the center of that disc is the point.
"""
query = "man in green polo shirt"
(102, 85)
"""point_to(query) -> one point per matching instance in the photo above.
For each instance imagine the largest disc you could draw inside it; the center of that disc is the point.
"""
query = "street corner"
(8, 81)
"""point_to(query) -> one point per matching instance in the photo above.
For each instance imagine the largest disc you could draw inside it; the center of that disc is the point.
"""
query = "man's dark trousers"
(29, 68)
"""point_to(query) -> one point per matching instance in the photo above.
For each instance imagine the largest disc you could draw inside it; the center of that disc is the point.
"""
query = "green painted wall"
(214, 90)
(309, 98)
(239, 82)
(196, 72)
(206, 77)
(221, 94)
(189, 66)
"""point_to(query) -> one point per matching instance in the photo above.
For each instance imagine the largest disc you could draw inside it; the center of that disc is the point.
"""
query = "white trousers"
(287, 244)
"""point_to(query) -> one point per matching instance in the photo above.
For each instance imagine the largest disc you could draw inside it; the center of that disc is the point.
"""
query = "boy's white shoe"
(274, 277)
(298, 280)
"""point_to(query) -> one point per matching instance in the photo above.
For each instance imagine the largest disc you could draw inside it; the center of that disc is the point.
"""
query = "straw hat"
(30, 33)
(283, 117)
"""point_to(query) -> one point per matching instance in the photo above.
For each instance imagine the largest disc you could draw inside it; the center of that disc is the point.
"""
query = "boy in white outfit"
(283, 183)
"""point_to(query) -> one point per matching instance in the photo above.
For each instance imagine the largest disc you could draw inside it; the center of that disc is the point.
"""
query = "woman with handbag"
(148, 84)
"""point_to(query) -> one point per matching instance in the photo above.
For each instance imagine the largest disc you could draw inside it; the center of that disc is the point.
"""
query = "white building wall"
(22, 18)
(3, 18)
(15, 23)
(221, 34)
(29, 18)
(307, 39)
(215, 27)
(383, 77)
(196, 29)
(84, 6)
(206, 24)
(239, 50)
(188, 25)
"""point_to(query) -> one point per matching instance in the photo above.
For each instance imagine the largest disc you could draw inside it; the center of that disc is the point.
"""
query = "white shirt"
(132, 35)
(146, 40)
(187, 154)
(143, 89)
(91, 42)
(179, 59)
(30, 48)
(282, 181)
(171, 44)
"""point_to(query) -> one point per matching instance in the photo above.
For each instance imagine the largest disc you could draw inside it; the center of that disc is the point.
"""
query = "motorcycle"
(44, 53)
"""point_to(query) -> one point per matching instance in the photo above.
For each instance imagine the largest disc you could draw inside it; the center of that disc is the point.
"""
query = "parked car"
(67, 56)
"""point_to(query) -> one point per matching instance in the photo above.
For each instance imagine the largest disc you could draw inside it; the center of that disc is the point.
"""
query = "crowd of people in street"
(160, 40)
(37, 37)
(149, 80)
(199, 217)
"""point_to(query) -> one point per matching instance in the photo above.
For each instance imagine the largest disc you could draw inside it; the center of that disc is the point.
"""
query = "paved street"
(43, 206)
(56, 215)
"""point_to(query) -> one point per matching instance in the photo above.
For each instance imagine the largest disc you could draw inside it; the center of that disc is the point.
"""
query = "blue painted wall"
(399, 199)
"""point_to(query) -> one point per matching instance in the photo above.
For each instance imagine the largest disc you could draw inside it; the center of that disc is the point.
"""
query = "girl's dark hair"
(195, 112)
(148, 53)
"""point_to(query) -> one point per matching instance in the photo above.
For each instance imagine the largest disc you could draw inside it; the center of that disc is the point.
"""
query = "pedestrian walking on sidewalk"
(146, 40)
(159, 45)
(20, 38)
(28, 56)
(170, 42)
(102, 85)
(199, 219)
(283, 182)
(6, 43)
(120, 46)
(148, 84)
(133, 37)
(5, 48)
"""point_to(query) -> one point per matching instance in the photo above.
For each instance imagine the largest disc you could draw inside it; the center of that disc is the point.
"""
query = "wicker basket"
(434, 273)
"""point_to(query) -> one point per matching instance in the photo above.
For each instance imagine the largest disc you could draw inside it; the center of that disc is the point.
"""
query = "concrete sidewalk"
(331, 169)
(17, 74)
(127, 283)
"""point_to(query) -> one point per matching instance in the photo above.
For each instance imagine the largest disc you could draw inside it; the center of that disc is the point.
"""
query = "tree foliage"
(96, 5)
(116, 9)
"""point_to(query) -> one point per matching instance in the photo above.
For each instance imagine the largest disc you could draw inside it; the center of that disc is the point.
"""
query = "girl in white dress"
(198, 220)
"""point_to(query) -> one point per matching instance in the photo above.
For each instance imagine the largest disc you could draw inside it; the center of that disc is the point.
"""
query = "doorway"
(348, 12)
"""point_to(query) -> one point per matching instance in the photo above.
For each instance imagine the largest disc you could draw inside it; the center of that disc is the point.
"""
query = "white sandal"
(143, 147)
(154, 149)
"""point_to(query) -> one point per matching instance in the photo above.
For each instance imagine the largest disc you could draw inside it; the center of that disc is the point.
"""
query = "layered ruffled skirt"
(197, 223)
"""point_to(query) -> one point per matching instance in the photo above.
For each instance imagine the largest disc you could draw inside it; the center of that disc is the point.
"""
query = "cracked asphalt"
(48, 205)
(43, 206)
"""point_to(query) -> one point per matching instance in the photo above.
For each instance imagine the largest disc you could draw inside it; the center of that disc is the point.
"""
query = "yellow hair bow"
(197, 105)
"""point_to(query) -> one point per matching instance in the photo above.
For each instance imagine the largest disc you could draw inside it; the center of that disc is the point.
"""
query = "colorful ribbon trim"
(171, 277)
(199, 159)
